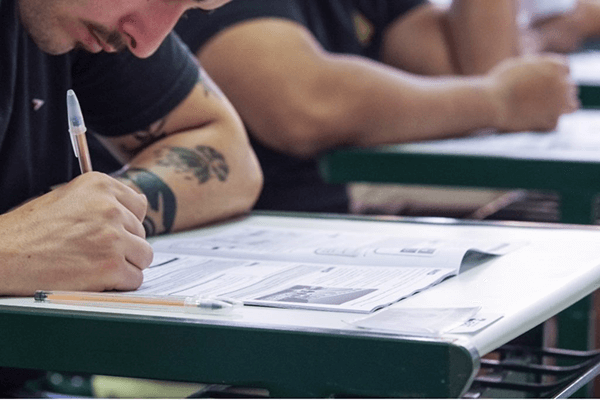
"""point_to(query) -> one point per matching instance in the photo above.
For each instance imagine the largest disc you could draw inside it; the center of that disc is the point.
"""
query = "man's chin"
(54, 49)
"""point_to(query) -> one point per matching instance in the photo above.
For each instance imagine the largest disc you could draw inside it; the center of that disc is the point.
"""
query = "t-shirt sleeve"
(120, 93)
(397, 8)
(195, 27)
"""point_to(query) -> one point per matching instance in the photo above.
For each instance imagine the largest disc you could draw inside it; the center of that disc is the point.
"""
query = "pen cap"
(76, 124)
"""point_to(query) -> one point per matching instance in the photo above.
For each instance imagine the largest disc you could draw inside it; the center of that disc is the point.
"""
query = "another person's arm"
(469, 37)
(567, 31)
(301, 100)
(483, 33)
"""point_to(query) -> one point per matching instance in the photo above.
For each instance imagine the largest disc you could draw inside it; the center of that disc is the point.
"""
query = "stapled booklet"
(310, 268)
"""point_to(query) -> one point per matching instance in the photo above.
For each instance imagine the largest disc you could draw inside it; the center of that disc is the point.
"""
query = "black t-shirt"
(118, 93)
(341, 26)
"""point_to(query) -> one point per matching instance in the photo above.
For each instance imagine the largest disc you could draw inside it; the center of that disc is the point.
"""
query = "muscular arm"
(469, 37)
(483, 33)
(565, 32)
(192, 167)
(301, 100)
(195, 166)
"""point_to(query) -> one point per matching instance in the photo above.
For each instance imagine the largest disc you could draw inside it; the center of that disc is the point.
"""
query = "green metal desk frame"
(577, 183)
(287, 363)
(589, 96)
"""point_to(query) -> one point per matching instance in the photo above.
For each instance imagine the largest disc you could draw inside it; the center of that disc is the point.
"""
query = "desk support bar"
(290, 363)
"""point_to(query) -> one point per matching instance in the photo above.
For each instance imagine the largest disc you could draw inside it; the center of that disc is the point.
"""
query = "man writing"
(188, 158)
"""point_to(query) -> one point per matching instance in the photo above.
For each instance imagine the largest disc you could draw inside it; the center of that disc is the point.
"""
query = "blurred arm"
(468, 38)
(301, 100)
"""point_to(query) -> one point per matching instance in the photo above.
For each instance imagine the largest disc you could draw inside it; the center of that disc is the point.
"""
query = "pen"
(192, 304)
(77, 132)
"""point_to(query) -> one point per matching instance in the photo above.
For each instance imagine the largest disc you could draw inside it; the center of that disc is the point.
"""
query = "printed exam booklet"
(310, 268)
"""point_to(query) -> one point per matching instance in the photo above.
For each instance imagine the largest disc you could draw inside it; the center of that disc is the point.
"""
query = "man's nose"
(145, 31)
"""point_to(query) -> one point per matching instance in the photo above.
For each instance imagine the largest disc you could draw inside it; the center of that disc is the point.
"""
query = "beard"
(39, 20)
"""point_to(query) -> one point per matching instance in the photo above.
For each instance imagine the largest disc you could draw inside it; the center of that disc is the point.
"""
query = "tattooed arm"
(195, 166)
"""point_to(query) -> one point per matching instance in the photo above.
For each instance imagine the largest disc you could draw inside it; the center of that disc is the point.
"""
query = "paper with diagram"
(310, 268)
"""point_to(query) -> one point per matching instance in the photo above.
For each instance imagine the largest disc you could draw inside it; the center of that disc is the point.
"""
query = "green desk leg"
(578, 207)
(589, 96)
(575, 324)
(574, 330)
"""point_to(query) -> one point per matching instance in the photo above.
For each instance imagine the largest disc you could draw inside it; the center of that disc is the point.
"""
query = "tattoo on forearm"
(200, 163)
(162, 204)
(154, 133)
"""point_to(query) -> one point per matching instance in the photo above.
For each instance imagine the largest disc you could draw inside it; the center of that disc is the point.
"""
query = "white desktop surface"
(559, 266)
(576, 138)
(584, 67)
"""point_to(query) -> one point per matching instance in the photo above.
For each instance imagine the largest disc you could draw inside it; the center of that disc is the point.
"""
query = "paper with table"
(310, 268)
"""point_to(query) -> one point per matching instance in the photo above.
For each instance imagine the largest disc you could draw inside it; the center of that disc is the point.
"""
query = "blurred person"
(308, 76)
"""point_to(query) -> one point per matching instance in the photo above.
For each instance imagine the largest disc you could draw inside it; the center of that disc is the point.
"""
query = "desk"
(302, 353)
(566, 161)
(585, 67)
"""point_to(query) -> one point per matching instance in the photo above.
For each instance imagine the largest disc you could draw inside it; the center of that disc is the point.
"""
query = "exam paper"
(310, 268)
(288, 284)
(336, 247)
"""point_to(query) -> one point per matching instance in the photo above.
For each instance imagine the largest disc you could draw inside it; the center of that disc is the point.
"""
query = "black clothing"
(118, 94)
(340, 26)
(13, 378)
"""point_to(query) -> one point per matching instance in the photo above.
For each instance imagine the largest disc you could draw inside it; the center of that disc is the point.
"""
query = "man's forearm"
(365, 103)
(409, 108)
(190, 181)
(371, 104)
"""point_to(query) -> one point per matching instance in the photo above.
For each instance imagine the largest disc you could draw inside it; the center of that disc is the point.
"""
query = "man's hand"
(532, 92)
(86, 235)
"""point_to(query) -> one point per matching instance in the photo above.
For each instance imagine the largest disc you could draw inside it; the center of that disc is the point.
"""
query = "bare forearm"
(303, 100)
(194, 178)
(362, 103)
(351, 101)
(394, 107)
(591, 8)
(565, 32)
(194, 165)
